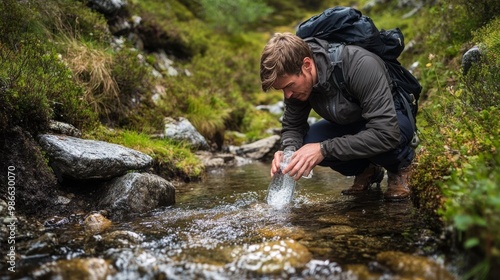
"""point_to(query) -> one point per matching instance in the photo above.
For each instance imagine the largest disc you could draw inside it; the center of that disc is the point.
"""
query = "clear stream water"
(222, 228)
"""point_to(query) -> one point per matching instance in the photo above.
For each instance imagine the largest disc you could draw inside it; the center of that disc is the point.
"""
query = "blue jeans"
(392, 160)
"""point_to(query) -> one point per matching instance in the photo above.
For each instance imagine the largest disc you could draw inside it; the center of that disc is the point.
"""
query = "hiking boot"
(372, 174)
(397, 184)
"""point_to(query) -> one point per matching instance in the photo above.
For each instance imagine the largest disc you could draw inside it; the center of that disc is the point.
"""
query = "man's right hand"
(303, 160)
(275, 165)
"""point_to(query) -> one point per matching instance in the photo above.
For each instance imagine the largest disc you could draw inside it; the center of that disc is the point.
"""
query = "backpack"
(341, 26)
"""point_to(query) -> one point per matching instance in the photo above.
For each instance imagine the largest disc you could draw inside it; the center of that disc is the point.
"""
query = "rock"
(64, 128)
(469, 58)
(55, 221)
(96, 223)
(276, 109)
(413, 267)
(291, 232)
(272, 257)
(260, 149)
(218, 160)
(136, 193)
(107, 7)
(121, 239)
(164, 64)
(89, 159)
(337, 230)
(89, 268)
(43, 245)
(183, 130)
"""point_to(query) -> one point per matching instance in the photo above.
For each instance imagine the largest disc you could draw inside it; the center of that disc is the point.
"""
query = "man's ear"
(307, 64)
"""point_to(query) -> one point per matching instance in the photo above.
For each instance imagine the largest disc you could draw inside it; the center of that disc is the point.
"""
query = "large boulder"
(136, 193)
(83, 159)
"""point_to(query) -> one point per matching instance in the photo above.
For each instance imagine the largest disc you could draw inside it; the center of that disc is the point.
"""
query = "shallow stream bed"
(222, 228)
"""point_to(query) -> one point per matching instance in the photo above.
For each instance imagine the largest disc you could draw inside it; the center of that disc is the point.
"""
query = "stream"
(222, 228)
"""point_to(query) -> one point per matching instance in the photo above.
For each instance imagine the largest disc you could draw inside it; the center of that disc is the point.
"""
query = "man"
(354, 138)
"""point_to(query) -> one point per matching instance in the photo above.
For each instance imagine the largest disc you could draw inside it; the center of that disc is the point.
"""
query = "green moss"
(256, 124)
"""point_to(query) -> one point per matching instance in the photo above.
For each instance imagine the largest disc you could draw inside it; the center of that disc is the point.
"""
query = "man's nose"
(287, 93)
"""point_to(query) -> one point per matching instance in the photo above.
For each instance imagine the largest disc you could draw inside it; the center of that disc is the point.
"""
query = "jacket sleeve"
(367, 80)
(294, 123)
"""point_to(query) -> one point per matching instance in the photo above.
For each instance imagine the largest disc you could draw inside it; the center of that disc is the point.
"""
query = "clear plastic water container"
(282, 186)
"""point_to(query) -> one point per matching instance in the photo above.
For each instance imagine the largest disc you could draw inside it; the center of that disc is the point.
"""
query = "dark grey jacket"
(368, 81)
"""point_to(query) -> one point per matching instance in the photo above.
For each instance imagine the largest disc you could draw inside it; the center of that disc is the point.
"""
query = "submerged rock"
(96, 223)
(90, 269)
(413, 267)
(272, 257)
(294, 233)
(89, 159)
(337, 230)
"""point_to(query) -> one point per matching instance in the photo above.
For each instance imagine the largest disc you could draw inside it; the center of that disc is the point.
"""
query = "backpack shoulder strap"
(335, 52)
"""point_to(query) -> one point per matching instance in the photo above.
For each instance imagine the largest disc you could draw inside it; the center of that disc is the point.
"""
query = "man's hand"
(275, 165)
(303, 161)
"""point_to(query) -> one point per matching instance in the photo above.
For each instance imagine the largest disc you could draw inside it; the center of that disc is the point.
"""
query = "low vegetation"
(458, 164)
(59, 60)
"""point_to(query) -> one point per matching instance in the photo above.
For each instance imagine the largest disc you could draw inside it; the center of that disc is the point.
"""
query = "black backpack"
(341, 26)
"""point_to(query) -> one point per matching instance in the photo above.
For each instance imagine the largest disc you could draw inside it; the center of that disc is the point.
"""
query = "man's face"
(297, 86)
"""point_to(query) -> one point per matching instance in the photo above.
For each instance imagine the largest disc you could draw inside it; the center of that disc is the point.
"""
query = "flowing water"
(222, 228)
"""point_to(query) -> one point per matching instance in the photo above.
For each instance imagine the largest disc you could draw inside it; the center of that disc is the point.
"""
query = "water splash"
(280, 191)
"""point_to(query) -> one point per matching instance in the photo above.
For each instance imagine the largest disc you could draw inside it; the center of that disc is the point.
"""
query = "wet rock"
(55, 221)
(413, 267)
(89, 159)
(136, 193)
(214, 160)
(294, 233)
(272, 257)
(322, 251)
(217, 160)
(112, 241)
(90, 269)
(96, 222)
(358, 271)
(260, 149)
(337, 230)
(334, 219)
(121, 239)
(183, 130)
(63, 200)
(44, 244)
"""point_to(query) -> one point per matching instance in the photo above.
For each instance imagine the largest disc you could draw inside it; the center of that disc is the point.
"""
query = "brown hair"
(283, 54)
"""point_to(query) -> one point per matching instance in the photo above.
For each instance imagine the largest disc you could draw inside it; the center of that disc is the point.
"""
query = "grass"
(171, 159)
